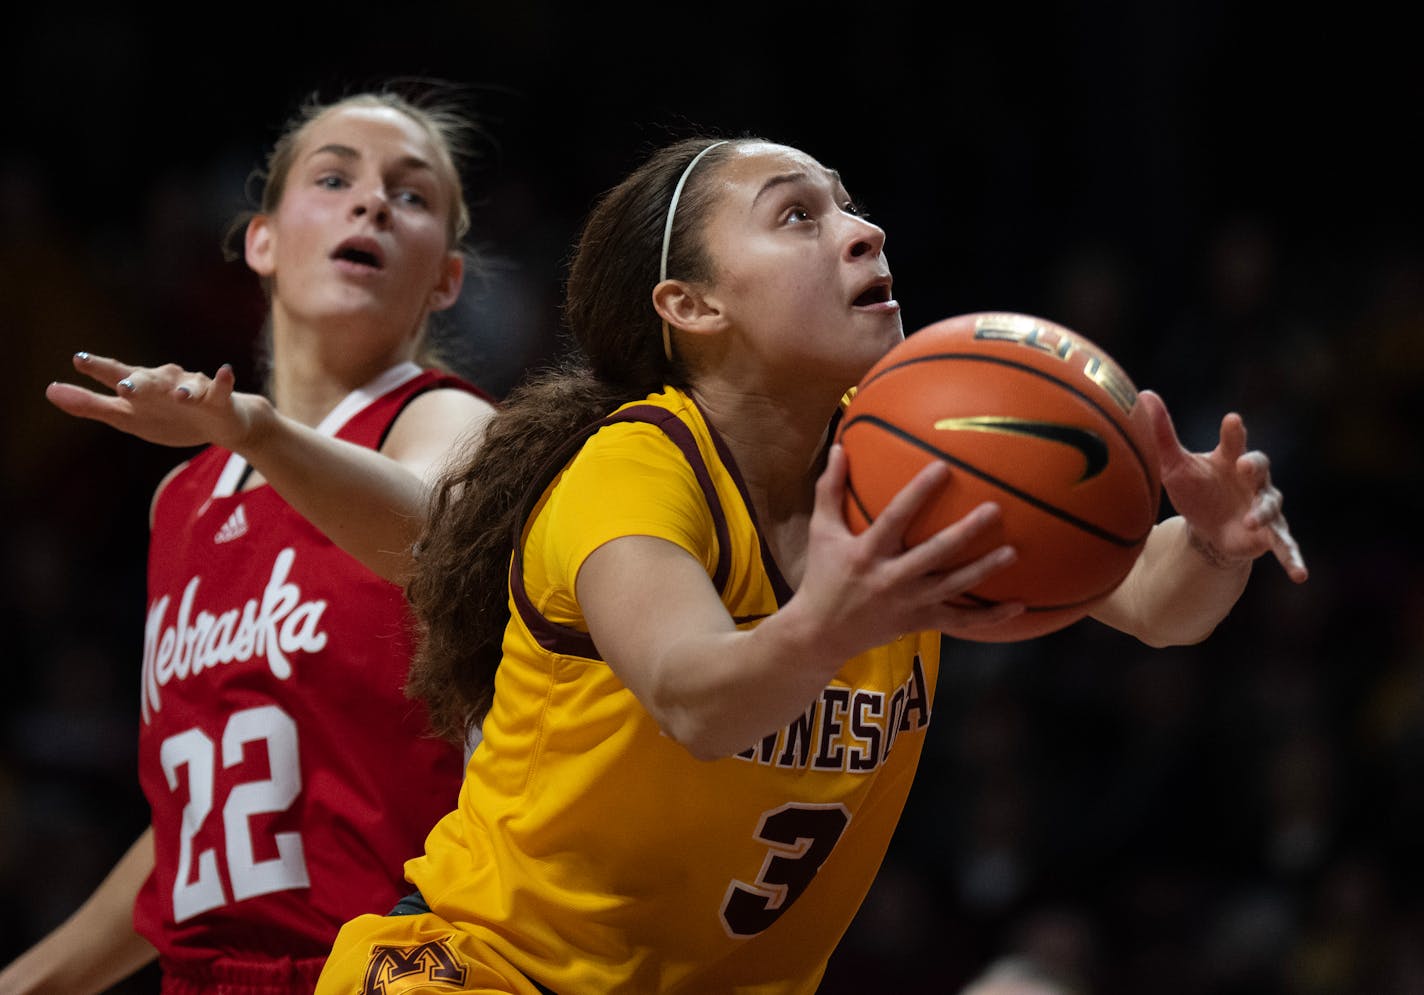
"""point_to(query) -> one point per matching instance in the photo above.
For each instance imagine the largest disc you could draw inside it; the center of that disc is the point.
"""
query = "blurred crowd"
(1236, 817)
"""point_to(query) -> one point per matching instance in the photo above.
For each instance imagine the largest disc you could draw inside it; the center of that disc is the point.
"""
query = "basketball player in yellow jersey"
(594, 786)
(703, 699)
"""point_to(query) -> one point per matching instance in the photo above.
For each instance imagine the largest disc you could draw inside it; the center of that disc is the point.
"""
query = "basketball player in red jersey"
(702, 698)
(288, 775)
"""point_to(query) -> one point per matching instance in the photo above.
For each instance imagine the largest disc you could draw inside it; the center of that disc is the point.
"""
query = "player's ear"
(689, 307)
(447, 288)
(259, 245)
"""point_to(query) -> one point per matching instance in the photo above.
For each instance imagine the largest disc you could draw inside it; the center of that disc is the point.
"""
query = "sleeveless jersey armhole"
(566, 640)
(162, 487)
(449, 382)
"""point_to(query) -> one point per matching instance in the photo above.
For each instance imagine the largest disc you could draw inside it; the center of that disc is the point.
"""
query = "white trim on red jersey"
(231, 477)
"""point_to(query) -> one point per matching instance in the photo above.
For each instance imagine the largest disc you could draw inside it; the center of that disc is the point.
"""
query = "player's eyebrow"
(348, 153)
(341, 151)
(782, 179)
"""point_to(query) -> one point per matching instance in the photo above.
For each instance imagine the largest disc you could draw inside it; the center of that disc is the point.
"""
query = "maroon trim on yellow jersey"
(779, 587)
(566, 640)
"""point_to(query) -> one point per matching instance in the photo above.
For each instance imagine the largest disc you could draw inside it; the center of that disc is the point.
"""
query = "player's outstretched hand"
(870, 588)
(166, 404)
(1226, 495)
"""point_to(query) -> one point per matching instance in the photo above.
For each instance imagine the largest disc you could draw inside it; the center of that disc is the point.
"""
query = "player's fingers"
(1287, 551)
(944, 550)
(832, 478)
(1265, 507)
(1170, 451)
(830, 485)
(223, 382)
(84, 403)
(217, 389)
(101, 368)
(957, 617)
(193, 387)
(1233, 437)
(152, 381)
(970, 575)
(1254, 469)
(130, 383)
(890, 526)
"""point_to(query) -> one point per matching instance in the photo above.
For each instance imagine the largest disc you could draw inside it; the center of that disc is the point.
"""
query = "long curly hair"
(460, 587)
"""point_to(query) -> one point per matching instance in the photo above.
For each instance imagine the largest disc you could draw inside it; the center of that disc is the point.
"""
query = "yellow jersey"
(594, 853)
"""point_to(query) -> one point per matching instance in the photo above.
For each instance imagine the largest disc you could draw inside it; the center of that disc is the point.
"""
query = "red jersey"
(288, 774)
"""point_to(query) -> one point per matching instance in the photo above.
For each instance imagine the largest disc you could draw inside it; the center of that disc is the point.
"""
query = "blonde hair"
(448, 130)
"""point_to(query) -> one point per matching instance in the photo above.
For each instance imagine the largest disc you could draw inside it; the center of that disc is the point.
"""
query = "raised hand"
(167, 404)
(1226, 495)
(872, 588)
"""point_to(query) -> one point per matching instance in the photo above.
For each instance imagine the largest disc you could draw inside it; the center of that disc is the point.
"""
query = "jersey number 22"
(247, 876)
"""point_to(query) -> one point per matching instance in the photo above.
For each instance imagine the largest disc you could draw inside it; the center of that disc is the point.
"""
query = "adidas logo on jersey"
(234, 528)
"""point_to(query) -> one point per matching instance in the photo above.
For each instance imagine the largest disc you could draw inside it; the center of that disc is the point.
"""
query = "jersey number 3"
(799, 838)
(247, 875)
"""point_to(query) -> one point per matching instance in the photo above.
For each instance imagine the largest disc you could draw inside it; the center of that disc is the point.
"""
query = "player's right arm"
(659, 623)
(96, 947)
(371, 504)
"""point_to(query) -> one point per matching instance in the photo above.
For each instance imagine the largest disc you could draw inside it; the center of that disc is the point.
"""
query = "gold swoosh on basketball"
(1094, 451)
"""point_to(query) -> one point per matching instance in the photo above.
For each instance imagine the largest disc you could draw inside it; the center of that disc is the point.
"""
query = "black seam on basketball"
(983, 602)
(1024, 367)
(854, 495)
(1003, 485)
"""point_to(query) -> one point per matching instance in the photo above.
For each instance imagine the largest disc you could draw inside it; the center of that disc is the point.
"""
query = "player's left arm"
(1196, 564)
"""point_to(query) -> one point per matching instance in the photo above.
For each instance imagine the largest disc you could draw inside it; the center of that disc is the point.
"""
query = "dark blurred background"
(1221, 195)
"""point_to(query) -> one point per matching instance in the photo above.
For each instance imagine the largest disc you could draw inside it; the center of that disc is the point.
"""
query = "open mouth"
(359, 252)
(876, 294)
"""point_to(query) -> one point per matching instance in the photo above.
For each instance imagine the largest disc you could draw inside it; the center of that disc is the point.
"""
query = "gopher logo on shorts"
(409, 969)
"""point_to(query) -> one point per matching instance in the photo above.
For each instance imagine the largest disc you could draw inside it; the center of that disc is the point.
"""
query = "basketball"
(1030, 415)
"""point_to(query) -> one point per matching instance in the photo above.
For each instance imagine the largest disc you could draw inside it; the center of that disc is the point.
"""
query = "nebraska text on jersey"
(277, 626)
(847, 729)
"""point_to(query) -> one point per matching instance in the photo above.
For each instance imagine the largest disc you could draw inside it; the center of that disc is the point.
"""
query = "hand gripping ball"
(1027, 414)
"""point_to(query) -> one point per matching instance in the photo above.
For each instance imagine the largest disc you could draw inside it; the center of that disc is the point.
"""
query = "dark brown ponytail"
(460, 586)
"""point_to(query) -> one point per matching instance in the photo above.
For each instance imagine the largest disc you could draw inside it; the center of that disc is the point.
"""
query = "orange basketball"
(1027, 414)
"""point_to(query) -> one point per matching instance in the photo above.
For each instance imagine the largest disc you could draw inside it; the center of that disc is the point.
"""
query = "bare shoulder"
(434, 423)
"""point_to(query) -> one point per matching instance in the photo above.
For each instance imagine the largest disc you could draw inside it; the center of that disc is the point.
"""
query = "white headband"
(667, 234)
